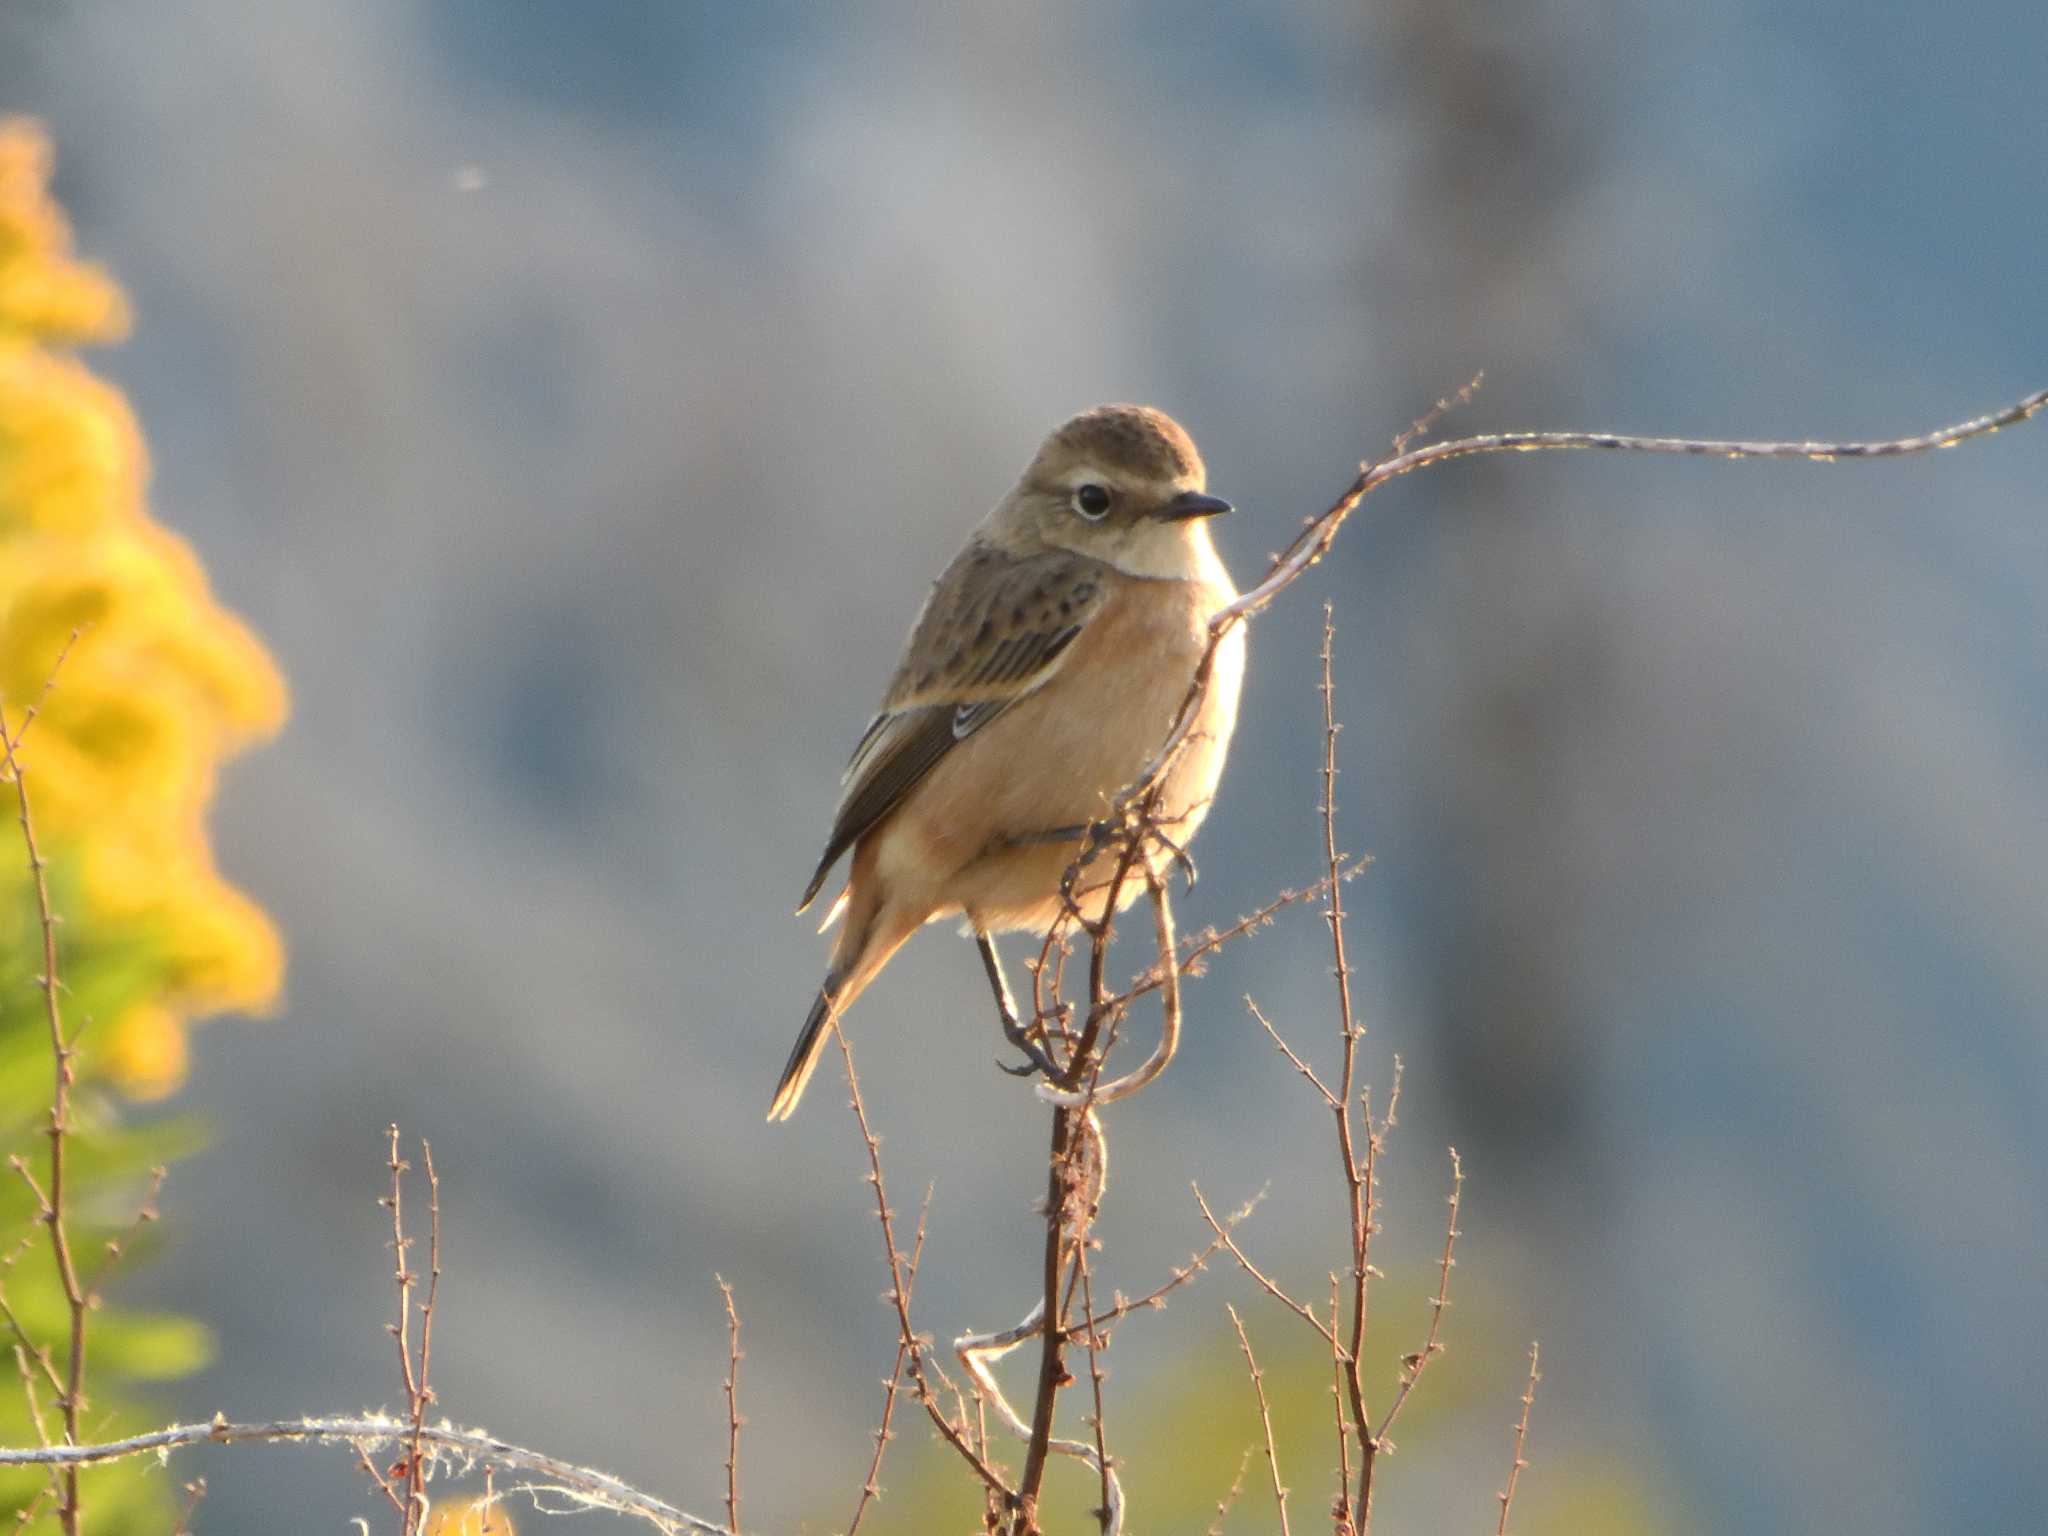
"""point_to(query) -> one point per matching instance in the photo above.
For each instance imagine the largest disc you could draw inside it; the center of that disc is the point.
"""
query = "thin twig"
(52, 1205)
(1197, 948)
(28, 717)
(1317, 535)
(194, 1492)
(871, 1488)
(415, 1467)
(1341, 1504)
(1265, 1418)
(26, 1515)
(145, 1215)
(1358, 1181)
(1109, 1512)
(1507, 1494)
(899, 1296)
(1229, 1498)
(1265, 1282)
(1073, 1128)
(1330, 1099)
(55, 1486)
(462, 1447)
(411, 1470)
(1413, 1365)
(732, 1405)
(35, 1352)
(1425, 424)
(1197, 1262)
(384, 1485)
(1169, 1022)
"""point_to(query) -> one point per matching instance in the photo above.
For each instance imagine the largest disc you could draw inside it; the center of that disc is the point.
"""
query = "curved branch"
(1314, 540)
(587, 1486)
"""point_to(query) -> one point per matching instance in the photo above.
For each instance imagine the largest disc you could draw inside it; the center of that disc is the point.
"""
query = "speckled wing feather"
(994, 629)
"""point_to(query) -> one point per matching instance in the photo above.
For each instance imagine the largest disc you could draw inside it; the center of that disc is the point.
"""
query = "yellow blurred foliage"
(162, 684)
(471, 1519)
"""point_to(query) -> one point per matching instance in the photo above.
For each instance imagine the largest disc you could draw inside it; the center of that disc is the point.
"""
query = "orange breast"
(1054, 759)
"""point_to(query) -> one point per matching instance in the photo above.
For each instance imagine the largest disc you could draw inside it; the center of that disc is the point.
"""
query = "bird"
(1043, 674)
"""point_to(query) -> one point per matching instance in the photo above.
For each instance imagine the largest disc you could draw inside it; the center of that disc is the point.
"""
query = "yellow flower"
(470, 1519)
(162, 684)
(146, 1056)
(42, 293)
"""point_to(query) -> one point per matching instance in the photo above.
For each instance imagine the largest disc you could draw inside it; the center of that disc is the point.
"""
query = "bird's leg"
(1037, 1061)
(1073, 834)
(1181, 858)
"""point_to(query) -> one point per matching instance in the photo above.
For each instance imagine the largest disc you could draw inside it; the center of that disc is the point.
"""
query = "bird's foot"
(1036, 1063)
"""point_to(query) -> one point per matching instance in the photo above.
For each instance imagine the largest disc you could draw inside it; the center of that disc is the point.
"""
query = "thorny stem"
(1265, 1281)
(411, 1470)
(1507, 1494)
(1359, 1202)
(1198, 947)
(732, 1406)
(1342, 1503)
(1265, 1417)
(871, 1488)
(899, 1296)
(547, 1474)
(52, 1206)
(1063, 1172)
(1093, 1338)
(1413, 1365)
(1230, 1496)
(194, 1492)
(415, 1464)
(1314, 541)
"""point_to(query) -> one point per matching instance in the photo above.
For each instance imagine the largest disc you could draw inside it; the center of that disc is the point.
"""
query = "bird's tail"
(810, 1045)
(873, 932)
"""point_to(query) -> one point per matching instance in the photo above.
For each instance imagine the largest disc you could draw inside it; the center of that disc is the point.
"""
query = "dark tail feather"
(803, 1059)
(818, 875)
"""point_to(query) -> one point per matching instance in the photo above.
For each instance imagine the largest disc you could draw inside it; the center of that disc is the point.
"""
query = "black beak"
(1192, 504)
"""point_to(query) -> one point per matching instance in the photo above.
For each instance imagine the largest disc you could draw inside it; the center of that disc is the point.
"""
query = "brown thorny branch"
(732, 1405)
(1360, 1141)
(1519, 1461)
(1077, 1169)
(404, 1484)
(81, 1295)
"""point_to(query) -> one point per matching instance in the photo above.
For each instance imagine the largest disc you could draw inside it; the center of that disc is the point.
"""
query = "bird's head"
(1121, 483)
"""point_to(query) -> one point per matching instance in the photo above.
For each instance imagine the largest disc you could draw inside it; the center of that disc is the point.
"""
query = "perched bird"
(1042, 676)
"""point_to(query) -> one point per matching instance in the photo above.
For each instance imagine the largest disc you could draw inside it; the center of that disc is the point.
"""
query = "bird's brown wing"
(994, 629)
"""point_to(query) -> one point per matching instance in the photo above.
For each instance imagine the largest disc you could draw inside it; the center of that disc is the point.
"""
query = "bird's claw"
(1036, 1063)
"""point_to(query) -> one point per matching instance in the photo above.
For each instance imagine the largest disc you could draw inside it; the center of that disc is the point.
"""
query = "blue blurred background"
(579, 398)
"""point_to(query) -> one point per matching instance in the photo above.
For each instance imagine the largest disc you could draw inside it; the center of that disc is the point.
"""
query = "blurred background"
(578, 398)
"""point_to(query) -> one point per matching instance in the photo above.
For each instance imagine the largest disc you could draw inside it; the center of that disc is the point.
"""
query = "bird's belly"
(1054, 761)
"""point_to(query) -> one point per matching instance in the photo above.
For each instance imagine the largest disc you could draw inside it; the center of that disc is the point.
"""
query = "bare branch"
(145, 1215)
(460, 1447)
(1269, 1286)
(1412, 1365)
(1197, 1262)
(1110, 1514)
(28, 717)
(1316, 537)
(1229, 1498)
(899, 1295)
(1265, 1418)
(1198, 947)
(1288, 1051)
(62, 1052)
(194, 1492)
(871, 1488)
(732, 1405)
(1507, 1494)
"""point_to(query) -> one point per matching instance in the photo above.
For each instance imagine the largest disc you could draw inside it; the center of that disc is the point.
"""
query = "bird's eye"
(1092, 502)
